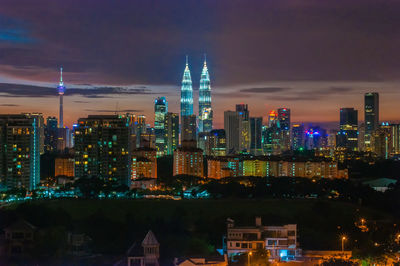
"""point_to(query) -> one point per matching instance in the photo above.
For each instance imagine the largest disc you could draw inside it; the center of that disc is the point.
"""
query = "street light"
(248, 258)
(343, 239)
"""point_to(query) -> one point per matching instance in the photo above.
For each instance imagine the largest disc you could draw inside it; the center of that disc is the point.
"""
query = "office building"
(348, 133)
(160, 111)
(256, 136)
(284, 128)
(237, 130)
(20, 151)
(383, 141)
(396, 138)
(186, 92)
(140, 130)
(371, 117)
(171, 133)
(205, 110)
(188, 128)
(216, 145)
(102, 148)
(50, 132)
(298, 136)
(315, 138)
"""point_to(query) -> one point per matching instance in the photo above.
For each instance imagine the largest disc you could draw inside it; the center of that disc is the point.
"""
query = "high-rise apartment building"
(20, 150)
(371, 116)
(102, 148)
(205, 110)
(188, 161)
(160, 111)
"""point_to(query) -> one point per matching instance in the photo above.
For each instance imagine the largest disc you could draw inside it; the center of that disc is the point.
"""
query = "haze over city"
(313, 57)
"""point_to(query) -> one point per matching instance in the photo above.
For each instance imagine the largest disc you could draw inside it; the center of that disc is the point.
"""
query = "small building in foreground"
(280, 241)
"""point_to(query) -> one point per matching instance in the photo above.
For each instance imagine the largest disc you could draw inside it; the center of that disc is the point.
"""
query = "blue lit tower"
(205, 111)
(186, 92)
(61, 91)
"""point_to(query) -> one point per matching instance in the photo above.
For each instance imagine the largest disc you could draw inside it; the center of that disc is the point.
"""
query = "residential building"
(280, 241)
(188, 161)
(144, 163)
(102, 148)
(20, 150)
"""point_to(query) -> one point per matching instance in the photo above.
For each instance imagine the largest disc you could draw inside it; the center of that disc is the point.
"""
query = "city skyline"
(314, 74)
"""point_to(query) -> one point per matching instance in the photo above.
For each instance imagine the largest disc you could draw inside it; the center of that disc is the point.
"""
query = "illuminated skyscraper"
(371, 115)
(237, 129)
(171, 133)
(186, 92)
(298, 136)
(284, 128)
(256, 135)
(348, 134)
(160, 110)
(61, 91)
(205, 111)
(20, 150)
(50, 141)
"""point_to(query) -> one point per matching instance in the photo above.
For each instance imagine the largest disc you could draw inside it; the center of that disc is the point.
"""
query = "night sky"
(310, 56)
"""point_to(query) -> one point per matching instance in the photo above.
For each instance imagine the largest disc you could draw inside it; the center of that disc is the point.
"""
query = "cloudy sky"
(310, 56)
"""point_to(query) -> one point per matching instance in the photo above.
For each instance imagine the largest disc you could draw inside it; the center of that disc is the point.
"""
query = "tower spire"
(205, 59)
(187, 60)
(61, 79)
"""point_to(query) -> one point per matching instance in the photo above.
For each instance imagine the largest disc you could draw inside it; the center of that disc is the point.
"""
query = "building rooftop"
(150, 239)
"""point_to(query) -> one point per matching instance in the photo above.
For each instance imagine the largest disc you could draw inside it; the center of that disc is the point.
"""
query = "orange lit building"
(64, 167)
(188, 161)
(144, 163)
(221, 167)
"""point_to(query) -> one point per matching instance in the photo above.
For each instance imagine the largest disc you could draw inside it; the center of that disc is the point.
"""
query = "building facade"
(280, 241)
(188, 161)
(102, 148)
(348, 133)
(160, 111)
(371, 116)
(20, 151)
(171, 133)
(205, 110)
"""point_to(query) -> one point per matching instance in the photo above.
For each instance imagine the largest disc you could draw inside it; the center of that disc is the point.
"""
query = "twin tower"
(205, 111)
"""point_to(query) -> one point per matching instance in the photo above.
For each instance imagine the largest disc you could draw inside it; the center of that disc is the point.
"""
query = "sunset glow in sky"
(311, 56)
